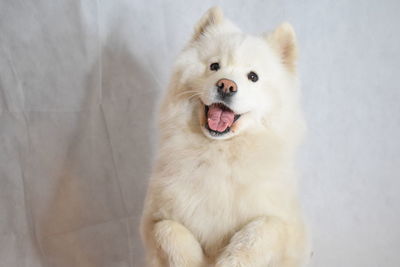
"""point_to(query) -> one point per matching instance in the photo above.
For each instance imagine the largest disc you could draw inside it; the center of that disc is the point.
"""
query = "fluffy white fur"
(229, 200)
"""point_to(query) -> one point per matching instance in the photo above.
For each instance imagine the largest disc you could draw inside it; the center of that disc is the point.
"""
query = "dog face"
(238, 80)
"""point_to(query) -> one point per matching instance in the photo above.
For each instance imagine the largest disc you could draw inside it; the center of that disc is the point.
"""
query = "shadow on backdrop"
(93, 218)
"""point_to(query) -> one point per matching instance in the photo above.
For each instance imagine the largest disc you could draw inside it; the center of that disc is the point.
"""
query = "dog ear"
(283, 40)
(212, 17)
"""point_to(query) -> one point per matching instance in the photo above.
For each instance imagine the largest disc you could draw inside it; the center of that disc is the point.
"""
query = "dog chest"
(212, 204)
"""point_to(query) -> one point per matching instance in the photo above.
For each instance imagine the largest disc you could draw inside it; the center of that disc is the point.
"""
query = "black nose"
(226, 88)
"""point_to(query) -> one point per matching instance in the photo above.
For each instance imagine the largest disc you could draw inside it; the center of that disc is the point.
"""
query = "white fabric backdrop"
(79, 81)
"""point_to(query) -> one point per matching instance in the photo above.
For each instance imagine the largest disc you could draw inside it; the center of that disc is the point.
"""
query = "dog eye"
(252, 76)
(214, 66)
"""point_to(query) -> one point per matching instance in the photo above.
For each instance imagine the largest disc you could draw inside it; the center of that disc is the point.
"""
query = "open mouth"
(219, 119)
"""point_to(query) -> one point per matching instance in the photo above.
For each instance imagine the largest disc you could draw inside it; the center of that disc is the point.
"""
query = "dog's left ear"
(212, 17)
(283, 40)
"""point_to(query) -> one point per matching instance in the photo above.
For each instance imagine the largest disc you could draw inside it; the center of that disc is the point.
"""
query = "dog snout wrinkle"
(226, 88)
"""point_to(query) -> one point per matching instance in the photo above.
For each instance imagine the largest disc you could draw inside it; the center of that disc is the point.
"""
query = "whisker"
(187, 92)
(192, 96)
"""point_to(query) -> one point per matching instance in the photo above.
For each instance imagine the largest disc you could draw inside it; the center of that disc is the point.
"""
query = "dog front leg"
(259, 243)
(179, 246)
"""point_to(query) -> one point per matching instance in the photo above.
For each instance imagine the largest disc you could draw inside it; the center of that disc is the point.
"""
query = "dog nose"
(226, 88)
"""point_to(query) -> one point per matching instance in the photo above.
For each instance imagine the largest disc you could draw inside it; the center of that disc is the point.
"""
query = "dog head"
(237, 82)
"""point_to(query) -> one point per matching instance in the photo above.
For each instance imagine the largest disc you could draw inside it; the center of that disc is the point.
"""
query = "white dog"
(223, 189)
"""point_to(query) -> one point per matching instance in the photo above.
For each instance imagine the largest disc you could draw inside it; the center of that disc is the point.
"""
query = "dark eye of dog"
(214, 66)
(252, 76)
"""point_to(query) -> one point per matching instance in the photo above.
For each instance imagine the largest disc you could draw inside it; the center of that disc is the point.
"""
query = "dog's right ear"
(213, 16)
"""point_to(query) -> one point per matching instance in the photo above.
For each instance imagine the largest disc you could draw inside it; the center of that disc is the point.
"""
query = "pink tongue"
(218, 119)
